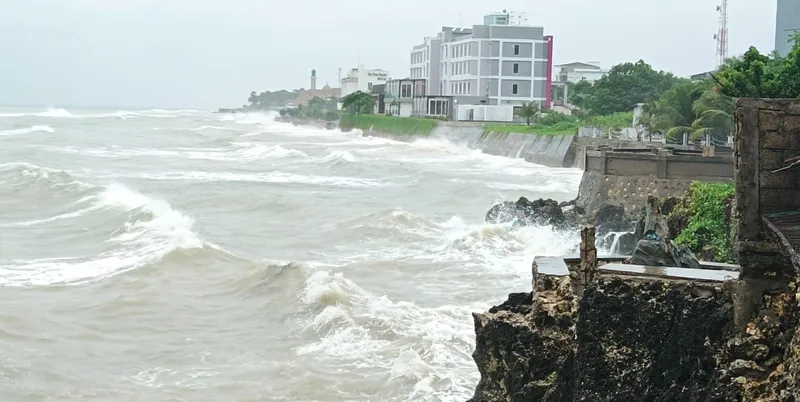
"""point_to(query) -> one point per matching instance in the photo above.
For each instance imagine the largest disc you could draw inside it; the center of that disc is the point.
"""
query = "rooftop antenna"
(722, 35)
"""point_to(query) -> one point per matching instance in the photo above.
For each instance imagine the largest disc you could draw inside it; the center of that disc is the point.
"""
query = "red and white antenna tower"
(722, 35)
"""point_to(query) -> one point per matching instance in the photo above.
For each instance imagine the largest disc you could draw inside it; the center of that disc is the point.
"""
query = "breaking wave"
(148, 229)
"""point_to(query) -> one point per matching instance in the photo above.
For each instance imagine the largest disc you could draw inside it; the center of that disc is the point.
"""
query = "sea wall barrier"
(549, 150)
(627, 178)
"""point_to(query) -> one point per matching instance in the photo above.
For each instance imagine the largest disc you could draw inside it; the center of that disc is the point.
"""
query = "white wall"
(406, 109)
(360, 79)
(366, 77)
(348, 87)
(485, 113)
(578, 75)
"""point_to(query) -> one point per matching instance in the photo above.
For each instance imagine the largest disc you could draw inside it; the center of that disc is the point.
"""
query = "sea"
(183, 255)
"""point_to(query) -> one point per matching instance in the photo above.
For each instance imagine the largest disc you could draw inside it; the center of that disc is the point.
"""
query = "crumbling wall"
(767, 135)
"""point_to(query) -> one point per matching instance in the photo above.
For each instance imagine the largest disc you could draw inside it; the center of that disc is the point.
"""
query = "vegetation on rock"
(706, 213)
(316, 108)
(270, 100)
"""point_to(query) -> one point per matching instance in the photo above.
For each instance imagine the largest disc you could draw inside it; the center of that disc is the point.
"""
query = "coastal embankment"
(612, 331)
(627, 178)
(544, 149)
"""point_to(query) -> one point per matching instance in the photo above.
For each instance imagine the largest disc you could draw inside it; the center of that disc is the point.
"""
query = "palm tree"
(714, 115)
(676, 114)
(528, 111)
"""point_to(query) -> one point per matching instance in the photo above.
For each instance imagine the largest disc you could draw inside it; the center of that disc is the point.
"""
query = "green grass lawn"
(556, 129)
(389, 124)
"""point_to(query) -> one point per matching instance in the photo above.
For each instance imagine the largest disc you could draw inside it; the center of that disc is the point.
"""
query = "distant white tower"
(313, 80)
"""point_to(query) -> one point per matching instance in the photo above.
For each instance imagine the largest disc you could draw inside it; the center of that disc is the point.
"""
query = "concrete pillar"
(588, 257)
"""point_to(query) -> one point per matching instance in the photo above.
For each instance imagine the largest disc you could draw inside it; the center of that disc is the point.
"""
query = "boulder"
(626, 243)
(654, 251)
(524, 212)
(611, 218)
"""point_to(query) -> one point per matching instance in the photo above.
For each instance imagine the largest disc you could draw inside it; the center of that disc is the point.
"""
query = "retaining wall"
(628, 178)
(549, 150)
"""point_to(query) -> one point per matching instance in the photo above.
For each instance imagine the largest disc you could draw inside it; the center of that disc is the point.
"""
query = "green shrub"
(708, 226)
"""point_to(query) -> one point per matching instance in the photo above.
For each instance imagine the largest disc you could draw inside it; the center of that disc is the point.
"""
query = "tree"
(359, 103)
(756, 75)
(528, 111)
(578, 92)
(675, 110)
(625, 86)
(316, 108)
(271, 100)
(714, 115)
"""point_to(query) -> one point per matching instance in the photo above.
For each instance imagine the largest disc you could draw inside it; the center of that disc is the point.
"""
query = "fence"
(660, 164)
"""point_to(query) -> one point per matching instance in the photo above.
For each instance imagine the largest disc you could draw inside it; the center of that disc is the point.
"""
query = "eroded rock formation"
(637, 340)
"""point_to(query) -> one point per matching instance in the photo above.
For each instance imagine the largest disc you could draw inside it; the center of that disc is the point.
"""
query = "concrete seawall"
(628, 178)
(549, 150)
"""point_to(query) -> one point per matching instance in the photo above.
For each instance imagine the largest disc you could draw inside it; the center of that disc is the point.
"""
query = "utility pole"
(722, 35)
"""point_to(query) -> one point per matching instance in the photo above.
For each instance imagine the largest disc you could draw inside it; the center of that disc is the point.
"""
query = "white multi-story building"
(491, 64)
(360, 79)
(578, 71)
(787, 24)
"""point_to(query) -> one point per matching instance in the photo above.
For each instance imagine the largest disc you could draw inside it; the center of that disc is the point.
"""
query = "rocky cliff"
(637, 339)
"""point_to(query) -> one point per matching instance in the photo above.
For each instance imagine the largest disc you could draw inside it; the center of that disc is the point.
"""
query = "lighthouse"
(313, 80)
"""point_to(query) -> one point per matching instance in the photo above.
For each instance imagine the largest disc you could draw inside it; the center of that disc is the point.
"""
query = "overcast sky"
(212, 53)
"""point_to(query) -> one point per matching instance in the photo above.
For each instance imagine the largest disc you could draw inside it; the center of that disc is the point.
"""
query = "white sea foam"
(50, 112)
(28, 130)
(235, 152)
(271, 177)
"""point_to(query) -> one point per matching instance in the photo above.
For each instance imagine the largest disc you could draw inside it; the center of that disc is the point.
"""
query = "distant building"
(409, 97)
(787, 23)
(303, 95)
(496, 19)
(360, 79)
(497, 63)
(422, 67)
(702, 76)
(379, 92)
(578, 71)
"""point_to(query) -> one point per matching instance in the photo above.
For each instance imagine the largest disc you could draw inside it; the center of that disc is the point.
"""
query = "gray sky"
(212, 53)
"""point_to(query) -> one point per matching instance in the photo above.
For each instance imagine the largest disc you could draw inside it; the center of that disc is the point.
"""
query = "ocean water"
(157, 255)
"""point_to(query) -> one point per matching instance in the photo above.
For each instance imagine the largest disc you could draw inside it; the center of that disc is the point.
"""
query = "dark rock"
(632, 341)
(657, 252)
(524, 213)
(611, 218)
(626, 243)
(669, 204)
(518, 361)
(746, 368)
(750, 348)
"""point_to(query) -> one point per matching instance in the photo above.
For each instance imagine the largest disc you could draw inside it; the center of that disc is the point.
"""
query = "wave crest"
(150, 230)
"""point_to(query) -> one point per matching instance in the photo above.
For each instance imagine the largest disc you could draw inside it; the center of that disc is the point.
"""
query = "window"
(405, 90)
(516, 68)
(514, 89)
(516, 50)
